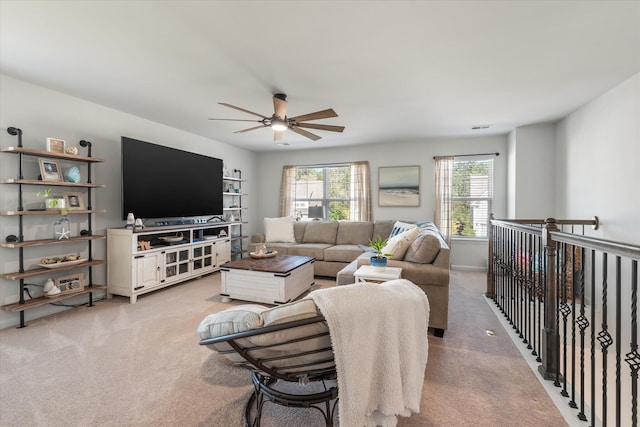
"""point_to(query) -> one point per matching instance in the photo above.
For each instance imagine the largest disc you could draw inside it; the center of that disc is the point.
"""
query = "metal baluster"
(574, 277)
(527, 325)
(618, 335)
(521, 286)
(565, 311)
(583, 324)
(604, 338)
(633, 357)
(581, 415)
(558, 271)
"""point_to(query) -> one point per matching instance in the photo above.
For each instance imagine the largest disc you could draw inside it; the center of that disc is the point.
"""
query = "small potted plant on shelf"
(51, 201)
(379, 260)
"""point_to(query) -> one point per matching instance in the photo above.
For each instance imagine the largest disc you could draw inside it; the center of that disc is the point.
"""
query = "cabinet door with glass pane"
(176, 264)
(203, 258)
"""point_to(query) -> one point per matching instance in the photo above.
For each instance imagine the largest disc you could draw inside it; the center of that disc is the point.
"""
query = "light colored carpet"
(118, 364)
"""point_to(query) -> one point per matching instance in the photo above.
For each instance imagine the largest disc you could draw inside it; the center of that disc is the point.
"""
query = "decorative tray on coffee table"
(268, 254)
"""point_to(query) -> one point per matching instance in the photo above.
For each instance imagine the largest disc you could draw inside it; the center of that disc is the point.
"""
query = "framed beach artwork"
(399, 186)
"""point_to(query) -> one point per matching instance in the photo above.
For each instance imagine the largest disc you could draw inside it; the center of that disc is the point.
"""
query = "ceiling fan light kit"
(278, 124)
(279, 121)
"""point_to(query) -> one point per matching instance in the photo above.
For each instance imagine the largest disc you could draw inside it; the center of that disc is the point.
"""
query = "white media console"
(141, 261)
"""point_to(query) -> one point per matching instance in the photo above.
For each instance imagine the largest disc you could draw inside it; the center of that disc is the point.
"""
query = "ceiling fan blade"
(321, 127)
(247, 130)
(278, 135)
(242, 109)
(324, 114)
(279, 107)
(304, 133)
(239, 120)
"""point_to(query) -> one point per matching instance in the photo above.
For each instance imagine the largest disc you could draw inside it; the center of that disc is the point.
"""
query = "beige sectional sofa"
(341, 247)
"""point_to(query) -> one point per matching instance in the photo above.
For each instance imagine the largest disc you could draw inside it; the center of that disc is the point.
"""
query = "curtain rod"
(466, 155)
(326, 164)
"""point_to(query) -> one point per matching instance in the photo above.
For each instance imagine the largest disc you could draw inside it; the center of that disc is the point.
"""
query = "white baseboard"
(469, 268)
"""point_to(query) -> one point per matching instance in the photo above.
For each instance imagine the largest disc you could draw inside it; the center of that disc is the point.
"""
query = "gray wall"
(598, 151)
(532, 166)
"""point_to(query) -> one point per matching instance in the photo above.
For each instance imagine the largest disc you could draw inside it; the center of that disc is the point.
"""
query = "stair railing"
(572, 299)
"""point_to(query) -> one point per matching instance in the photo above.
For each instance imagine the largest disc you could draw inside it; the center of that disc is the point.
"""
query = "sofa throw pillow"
(398, 245)
(400, 227)
(424, 249)
(279, 230)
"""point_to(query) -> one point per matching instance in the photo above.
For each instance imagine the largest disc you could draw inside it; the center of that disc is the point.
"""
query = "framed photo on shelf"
(399, 186)
(70, 284)
(74, 201)
(50, 170)
(55, 145)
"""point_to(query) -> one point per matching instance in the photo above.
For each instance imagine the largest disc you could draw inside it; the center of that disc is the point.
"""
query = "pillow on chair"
(279, 230)
(253, 316)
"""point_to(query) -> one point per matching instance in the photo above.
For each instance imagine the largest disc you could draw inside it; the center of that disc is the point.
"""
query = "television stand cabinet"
(142, 261)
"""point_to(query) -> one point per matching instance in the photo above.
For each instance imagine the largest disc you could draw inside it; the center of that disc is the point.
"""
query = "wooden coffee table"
(276, 280)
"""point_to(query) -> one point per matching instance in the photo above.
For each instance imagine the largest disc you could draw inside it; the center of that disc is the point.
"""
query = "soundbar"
(180, 222)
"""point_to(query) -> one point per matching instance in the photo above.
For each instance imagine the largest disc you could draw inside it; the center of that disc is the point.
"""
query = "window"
(331, 192)
(464, 189)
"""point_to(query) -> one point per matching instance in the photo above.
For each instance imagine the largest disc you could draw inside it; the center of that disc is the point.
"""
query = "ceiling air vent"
(477, 127)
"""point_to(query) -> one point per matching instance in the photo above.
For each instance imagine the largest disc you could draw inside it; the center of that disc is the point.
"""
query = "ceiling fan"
(279, 121)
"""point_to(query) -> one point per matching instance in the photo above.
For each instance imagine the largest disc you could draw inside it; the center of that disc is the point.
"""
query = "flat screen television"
(164, 182)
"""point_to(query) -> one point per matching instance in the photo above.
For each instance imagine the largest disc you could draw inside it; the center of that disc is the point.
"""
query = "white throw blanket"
(379, 338)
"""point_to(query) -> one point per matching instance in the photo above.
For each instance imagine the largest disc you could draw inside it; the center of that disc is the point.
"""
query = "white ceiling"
(392, 70)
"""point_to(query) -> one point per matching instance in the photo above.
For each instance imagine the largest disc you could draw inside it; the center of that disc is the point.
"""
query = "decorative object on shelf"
(55, 145)
(144, 245)
(172, 239)
(379, 260)
(74, 201)
(62, 228)
(138, 225)
(51, 201)
(70, 284)
(53, 292)
(222, 233)
(131, 220)
(61, 261)
(71, 150)
(48, 285)
(73, 173)
(50, 170)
